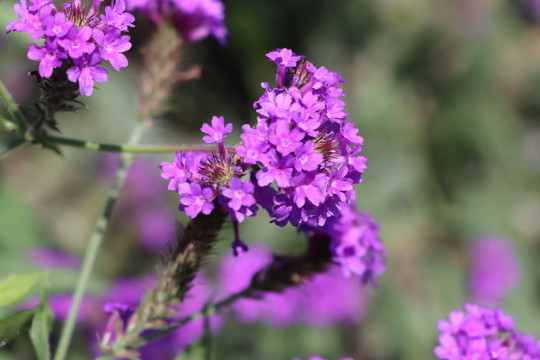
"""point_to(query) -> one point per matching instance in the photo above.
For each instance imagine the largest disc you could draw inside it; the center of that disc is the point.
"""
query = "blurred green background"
(447, 97)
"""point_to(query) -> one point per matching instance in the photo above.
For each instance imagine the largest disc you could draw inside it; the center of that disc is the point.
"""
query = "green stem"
(93, 247)
(128, 148)
(8, 145)
(13, 109)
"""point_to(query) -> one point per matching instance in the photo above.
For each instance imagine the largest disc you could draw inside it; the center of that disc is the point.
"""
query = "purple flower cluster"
(76, 36)
(355, 244)
(481, 333)
(203, 179)
(326, 299)
(494, 270)
(195, 19)
(304, 159)
(303, 144)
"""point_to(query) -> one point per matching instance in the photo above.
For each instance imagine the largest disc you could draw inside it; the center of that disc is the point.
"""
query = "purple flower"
(48, 258)
(217, 132)
(49, 56)
(111, 47)
(482, 333)
(195, 199)
(116, 17)
(285, 140)
(56, 25)
(156, 227)
(355, 244)
(86, 72)
(76, 42)
(494, 270)
(241, 201)
(60, 305)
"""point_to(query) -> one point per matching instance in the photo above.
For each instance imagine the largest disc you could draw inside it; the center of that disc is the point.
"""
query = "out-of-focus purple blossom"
(355, 244)
(482, 333)
(143, 198)
(326, 299)
(303, 145)
(126, 295)
(49, 258)
(194, 19)
(156, 227)
(75, 33)
(494, 270)
(60, 304)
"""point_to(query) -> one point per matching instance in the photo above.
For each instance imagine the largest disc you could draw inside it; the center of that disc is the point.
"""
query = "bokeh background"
(446, 95)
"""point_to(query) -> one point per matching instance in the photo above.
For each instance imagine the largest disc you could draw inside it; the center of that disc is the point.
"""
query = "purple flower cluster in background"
(324, 300)
(482, 333)
(76, 36)
(195, 19)
(122, 299)
(494, 270)
(303, 144)
(49, 258)
(143, 203)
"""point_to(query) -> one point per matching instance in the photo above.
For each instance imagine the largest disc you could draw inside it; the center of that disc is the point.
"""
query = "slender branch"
(8, 145)
(93, 247)
(129, 148)
(13, 109)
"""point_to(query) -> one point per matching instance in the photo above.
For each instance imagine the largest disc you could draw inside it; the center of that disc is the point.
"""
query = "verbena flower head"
(482, 333)
(194, 19)
(76, 37)
(303, 145)
(494, 270)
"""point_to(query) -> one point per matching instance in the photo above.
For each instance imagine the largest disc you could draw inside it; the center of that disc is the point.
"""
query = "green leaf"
(12, 325)
(41, 328)
(14, 287)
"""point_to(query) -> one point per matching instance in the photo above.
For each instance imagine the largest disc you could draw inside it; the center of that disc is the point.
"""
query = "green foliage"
(41, 328)
(14, 324)
(14, 287)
